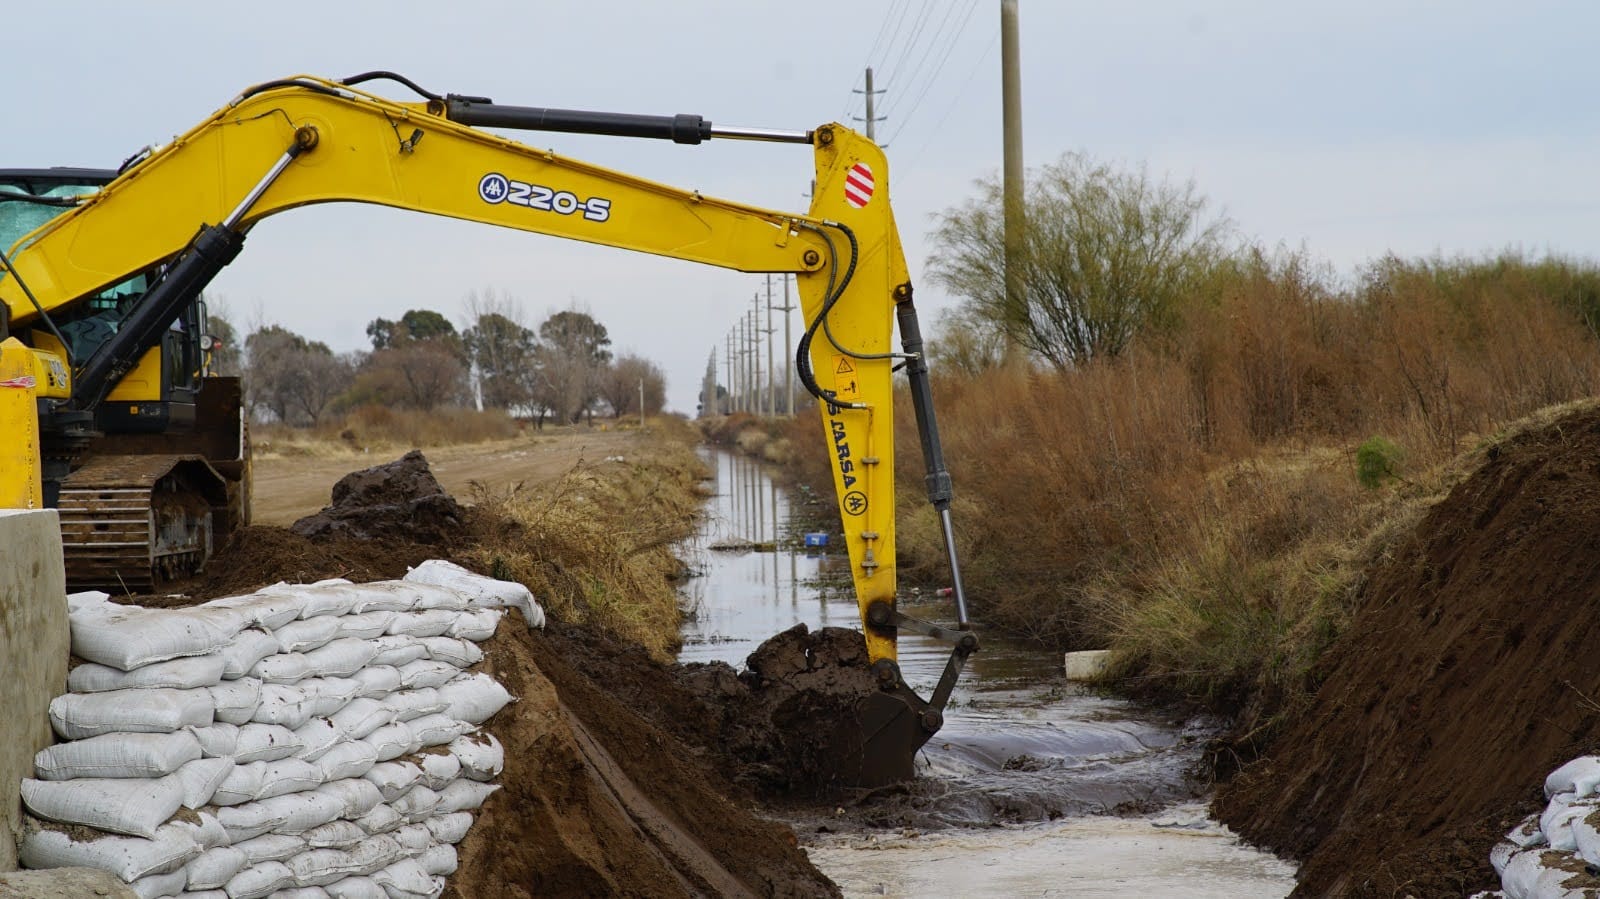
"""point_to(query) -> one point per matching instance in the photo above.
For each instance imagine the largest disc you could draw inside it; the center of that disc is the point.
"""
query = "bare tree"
(419, 374)
(622, 381)
(500, 350)
(1105, 254)
(570, 357)
(296, 379)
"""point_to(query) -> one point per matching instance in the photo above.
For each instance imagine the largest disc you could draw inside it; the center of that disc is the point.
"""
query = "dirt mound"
(600, 802)
(772, 729)
(397, 501)
(1467, 675)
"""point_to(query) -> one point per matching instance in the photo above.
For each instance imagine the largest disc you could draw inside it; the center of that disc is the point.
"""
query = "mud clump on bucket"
(400, 500)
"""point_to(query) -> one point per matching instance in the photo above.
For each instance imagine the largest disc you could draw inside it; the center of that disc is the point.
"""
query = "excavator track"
(131, 523)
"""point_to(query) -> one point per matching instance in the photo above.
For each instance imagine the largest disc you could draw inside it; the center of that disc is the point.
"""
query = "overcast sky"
(1353, 128)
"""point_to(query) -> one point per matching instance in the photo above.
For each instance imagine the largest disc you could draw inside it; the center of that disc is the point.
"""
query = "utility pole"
(871, 119)
(772, 372)
(755, 347)
(788, 352)
(744, 365)
(727, 363)
(1011, 114)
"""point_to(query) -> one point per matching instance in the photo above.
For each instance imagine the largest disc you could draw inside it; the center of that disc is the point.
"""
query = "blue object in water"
(816, 538)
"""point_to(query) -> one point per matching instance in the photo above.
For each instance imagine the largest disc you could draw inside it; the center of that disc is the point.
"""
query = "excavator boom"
(184, 210)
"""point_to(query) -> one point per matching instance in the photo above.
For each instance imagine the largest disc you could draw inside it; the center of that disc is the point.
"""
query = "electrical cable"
(933, 77)
(383, 75)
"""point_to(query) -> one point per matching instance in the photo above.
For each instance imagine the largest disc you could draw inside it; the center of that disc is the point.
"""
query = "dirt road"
(288, 487)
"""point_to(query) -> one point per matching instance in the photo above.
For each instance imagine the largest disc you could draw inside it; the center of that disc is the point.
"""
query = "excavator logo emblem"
(495, 188)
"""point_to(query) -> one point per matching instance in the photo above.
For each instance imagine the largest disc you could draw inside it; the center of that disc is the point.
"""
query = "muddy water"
(1035, 786)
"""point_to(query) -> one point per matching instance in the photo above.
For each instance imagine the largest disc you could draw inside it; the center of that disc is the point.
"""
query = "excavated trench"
(1042, 779)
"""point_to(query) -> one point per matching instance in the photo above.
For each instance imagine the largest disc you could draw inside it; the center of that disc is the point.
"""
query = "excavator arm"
(304, 140)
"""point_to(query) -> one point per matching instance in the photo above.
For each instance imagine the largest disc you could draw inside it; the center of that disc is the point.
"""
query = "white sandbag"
(260, 880)
(78, 715)
(204, 894)
(1521, 873)
(272, 847)
(361, 717)
(318, 867)
(1527, 834)
(201, 778)
(282, 704)
(376, 853)
(352, 758)
(377, 681)
(236, 700)
(482, 592)
(303, 811)
(243, 784)
(432, 597)
(356, 888)
(249, 820)
(307, 634)
(397, 650)
(341, 658)
(1500, 854)
(427, 673)
(1555, 820)
(413, 838)
(463, 795)
(438, 770)
(1586, 835)
(317, 736)
(117, 755)
(366, 626)
(408, 705)
(265, 743)
(127, 637)
(392, 741)
(325, 599)
(301, 893)
(417, 804)
(334, 835)
(476, 624)
(283, 668)
(436, 730)
(1584, 769)
(451, 828)
(129, 858)
(481, 755)
(216, 740)
(474, 697)
(405, 879)
(178, 674)
(159, 886)
(135, 807)
(382, 596)
(393, 779)
(439, 860)
(292, 775)
(242, 653)
(327, 695)
(355, 796)
(457, 652)
(431, 623)
(381, 820)
(86, 600)
(270, 608)
(213, 868)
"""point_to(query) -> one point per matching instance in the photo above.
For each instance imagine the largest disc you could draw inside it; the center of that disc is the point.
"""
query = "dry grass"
(382, 428)
(1194, 504)
(596, 545)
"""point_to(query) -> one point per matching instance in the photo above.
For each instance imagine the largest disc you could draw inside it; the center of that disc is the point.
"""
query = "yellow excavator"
(108, 412)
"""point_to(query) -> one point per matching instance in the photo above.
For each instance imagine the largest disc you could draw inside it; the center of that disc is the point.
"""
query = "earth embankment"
(1467, 674)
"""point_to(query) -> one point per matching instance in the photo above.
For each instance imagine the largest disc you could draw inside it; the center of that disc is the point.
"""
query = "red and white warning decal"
(25, 382)
(858, 185)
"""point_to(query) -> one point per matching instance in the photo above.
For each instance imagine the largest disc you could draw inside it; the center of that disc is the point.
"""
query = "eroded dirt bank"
(1468, 673)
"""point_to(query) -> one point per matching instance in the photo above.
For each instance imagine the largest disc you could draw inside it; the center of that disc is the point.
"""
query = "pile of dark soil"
(397, 501)
(1467, 675)
(774, 730)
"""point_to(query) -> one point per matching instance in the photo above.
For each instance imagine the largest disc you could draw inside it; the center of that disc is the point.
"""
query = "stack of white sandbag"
(1539, 856)
(318, 740)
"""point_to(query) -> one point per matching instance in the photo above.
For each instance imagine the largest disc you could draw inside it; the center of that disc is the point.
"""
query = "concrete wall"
(34, 645)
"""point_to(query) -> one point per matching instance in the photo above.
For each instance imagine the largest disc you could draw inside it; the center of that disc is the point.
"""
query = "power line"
(910, 44)
(938, 69)
(883, 28)
(954, 101)
(907, 82)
